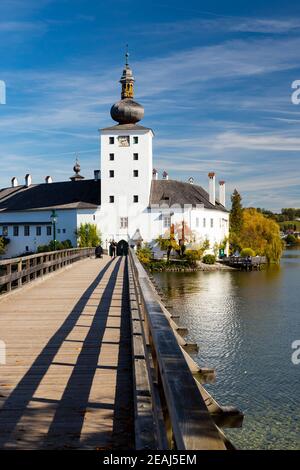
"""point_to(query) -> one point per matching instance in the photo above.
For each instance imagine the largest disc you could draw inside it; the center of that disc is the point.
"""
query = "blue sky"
(214, 78)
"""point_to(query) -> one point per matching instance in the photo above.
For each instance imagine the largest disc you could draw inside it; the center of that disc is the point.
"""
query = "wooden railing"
(171, 411)
(15, 272)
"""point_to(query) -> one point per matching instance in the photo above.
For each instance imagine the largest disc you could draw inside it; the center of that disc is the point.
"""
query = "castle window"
(49, 230)
(135, 173)
(211, 223)
(123, 222)
(135, 198)
(135, 140)
(4, 230)
(16, 230)
(197, 222)
(135, 156)
(38, 231)
(64, 230)
(111, 156)
(111, 173)
(167, 221)
(26, 230)
(111, 140)
(111, 199)
(204, 222)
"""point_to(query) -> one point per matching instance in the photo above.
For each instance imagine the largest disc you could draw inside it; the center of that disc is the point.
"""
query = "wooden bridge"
(95, 361)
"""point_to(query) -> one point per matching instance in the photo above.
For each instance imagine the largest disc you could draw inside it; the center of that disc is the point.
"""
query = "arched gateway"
(122, 248)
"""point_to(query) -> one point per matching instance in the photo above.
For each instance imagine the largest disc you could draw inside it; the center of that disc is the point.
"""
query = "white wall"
(65, 227)
(124, 185)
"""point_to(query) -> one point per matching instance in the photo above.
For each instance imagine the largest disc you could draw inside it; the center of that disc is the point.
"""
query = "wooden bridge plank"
(67, 380)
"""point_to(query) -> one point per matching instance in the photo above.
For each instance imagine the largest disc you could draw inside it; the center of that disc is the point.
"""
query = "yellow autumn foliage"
(261, 234)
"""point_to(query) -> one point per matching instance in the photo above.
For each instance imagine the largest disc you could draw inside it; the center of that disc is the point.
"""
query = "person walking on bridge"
(99, 251)
(112, 249)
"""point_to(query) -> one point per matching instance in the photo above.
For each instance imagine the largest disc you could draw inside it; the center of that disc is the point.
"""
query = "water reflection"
(244, 324)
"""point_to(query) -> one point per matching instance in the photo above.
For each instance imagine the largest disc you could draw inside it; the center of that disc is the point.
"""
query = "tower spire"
(126, 55)
(127, 111)
(127, 79)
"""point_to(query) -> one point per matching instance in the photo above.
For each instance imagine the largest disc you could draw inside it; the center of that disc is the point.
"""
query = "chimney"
(14, 182)
(165, 175)
(96, 175)
(48, 179)
(154, 174)
(222, 198)
(212, 188)
(28, 180)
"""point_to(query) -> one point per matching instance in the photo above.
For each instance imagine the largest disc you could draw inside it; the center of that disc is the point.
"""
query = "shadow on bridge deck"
(73, 390)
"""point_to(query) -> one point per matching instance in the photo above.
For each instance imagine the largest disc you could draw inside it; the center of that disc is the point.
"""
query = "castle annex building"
(126, 199)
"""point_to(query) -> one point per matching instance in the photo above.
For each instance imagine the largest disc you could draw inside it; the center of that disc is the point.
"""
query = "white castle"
(126, 199)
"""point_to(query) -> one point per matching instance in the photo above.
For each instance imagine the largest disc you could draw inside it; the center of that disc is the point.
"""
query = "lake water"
(244, 324)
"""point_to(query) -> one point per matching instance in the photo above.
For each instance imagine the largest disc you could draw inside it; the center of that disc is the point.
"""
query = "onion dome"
(76, 168)
(127, 111)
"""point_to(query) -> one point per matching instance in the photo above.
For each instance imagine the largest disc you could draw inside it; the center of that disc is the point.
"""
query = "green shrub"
(165, 265)
(64, 245)
(144, 254)
(192, 256)
(43, 248)
(291, 239)
(247, 252)
(209, 259)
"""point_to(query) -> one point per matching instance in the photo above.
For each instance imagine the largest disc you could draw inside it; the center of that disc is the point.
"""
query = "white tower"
(126, 166)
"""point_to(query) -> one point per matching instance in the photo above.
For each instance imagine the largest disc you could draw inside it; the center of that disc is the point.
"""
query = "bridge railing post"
(16, 271)
(19, 272)
(8, 273)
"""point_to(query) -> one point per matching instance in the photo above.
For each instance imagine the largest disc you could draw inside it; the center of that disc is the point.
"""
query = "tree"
(4, 241)
(2, 246)
(289, 212)
(144, 254)
(261, 234)
(88, 235)
(167, 242)
(236, 220)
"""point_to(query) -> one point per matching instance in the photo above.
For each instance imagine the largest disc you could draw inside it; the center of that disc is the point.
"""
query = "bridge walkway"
(67, 382)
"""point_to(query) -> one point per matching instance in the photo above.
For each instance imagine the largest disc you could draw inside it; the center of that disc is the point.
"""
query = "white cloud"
(22, 26)
(272, 142)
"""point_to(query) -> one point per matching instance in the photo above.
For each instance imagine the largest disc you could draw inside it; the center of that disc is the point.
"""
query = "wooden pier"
(251, 263)
(95, 361)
